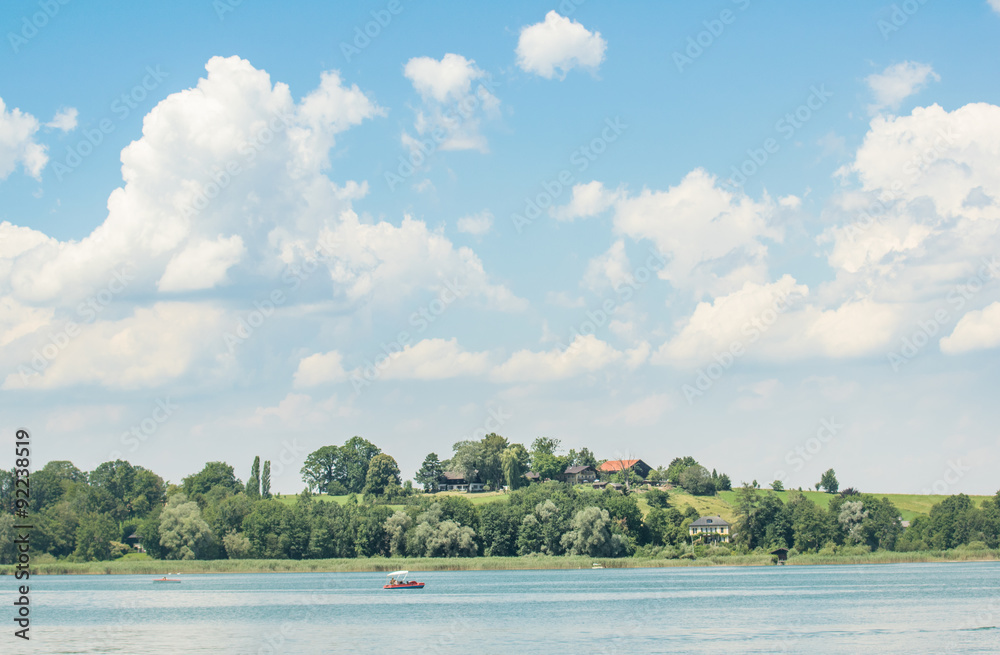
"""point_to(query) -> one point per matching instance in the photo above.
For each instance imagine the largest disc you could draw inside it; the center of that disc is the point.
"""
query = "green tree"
(237, 545)
(490, 460)
(513, 471)
(356, 454)
(429, 473)
(697, 480)
(253, 482)
(829, 482)
(382, 478)
(8, 550)
(183, 532)
(94, 537)
(677, 466)
(465, 459)
(214, 474)
(322, 467)
(778, 485)
(265, 480)
(582, 458)
(590, 534)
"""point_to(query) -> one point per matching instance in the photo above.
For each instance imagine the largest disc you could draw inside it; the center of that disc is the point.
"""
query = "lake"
(900, 608)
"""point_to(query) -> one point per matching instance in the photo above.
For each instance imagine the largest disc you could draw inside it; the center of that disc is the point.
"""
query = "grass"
(126, 566)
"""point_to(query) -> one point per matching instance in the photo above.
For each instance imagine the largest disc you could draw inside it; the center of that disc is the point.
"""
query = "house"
(453, 481)
(640, 467)
(579, 474)
(709, 528)
(533, 477)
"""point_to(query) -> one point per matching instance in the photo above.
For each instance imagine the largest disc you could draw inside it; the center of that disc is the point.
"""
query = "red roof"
(617, 464)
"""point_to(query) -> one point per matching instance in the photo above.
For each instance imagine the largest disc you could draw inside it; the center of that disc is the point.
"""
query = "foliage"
(382, 478)
(429, 473)
(697, 481)
(828, 482)
(253, 482)
(183, 532)
(265, 481)
(590, 534)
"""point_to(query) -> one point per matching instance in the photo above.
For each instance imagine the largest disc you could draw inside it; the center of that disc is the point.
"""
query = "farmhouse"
(640, 467)
(710, 528)
(453, 481)
(579, 474)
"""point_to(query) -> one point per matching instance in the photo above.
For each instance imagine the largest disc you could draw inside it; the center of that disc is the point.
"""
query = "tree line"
(97, 515)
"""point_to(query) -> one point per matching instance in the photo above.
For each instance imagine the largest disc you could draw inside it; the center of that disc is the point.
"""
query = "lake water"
(902, 608)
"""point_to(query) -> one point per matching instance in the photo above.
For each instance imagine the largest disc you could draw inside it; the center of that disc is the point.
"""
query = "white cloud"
(712, 238)
(452, 111)
(557, 45)
(995, 5)
(449, 79)
(64, 120)
(320, 368)
(156, 345)
(433, 359)
(227, 184)
(18, 145)
(977, 330)
(476, 224)
(646, 411)
(586, 354)
(610, 269)
(897, 83)
(733, 318)
(383, 260)
(587, 200)
(202, 265)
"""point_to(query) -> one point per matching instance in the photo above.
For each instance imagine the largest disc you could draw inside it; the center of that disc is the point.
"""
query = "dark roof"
(709, 520)
(573, 470)
(531, 475)
(454, 475)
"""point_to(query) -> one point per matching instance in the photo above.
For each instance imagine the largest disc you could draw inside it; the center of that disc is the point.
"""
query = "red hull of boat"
(409, 585)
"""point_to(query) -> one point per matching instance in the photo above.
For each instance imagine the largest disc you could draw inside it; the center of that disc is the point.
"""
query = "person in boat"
(392, 581)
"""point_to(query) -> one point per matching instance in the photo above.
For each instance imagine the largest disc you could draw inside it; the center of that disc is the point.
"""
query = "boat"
(397, 580)
(165, 579)
(596, 565)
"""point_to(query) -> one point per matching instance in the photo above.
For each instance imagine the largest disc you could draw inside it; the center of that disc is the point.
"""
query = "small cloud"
(587, 200)
(898, 82)
(560, 44)
(995, 5)
(65, 120)
(476, 224)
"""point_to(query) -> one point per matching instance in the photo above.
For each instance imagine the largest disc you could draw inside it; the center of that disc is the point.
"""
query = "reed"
(385, 564)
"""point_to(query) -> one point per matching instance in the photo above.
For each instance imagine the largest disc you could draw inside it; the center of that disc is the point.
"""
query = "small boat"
(397, 580)
(165, 579)
(596, 565)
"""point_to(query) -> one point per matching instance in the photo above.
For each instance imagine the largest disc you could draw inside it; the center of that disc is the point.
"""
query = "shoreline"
(422, 565)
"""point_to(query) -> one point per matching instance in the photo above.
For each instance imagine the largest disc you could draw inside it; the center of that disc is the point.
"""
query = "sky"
(761, 234)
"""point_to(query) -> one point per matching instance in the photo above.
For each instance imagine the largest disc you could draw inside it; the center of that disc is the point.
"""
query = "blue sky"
(654, 305)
